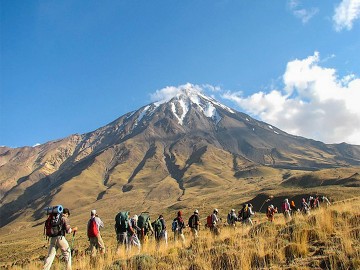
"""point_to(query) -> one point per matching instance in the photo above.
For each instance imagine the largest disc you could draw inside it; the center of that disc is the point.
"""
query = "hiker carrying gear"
(57, 240)
(232, 218)
(293, 209)
(134, 239)
(144, 223)
(245, 214)
(178, 229)
(311, 202)
(214, 228)
(305, 209)
(123, 229)
(194, 223)
(270, 213)
(159, 227)
(93, 232)
(285, 209)
(325, 200)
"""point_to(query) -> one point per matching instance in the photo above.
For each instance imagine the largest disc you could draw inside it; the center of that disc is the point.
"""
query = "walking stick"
(267, 200)
(72, 243)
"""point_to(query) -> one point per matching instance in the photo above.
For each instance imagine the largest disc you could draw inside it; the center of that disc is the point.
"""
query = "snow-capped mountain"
(172, 146)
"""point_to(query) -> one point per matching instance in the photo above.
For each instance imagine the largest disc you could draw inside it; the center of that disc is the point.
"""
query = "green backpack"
(158, 226)
(143, 220)
(122, 222)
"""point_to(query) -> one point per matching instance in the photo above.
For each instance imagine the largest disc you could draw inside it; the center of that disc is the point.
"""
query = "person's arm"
(67, 226)
(163, 224)
(100, 223)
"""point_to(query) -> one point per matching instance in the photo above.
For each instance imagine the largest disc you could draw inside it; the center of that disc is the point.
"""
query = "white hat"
(232, 210)
(196, 211)
(93, 212)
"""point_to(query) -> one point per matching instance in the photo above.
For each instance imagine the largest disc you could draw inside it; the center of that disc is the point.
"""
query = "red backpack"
(93, 230)
(209, 221)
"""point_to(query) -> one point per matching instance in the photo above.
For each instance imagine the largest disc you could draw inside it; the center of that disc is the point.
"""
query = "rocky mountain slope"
(166, 152)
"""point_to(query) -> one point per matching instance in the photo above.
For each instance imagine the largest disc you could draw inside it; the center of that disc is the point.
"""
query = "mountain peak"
(182, 98)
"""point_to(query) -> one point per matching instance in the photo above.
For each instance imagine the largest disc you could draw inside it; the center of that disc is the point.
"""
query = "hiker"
(59, 227)
(285, 208)
(194, 224)
(123, 229)
(93, 231)
(316, 202)
(293, 208)
(159, 227)
(311, 202)
(323, 199)
(270, 213)
(214, 228)
(178, 225)
(232, 218)
(304, 208)
(245, 214)
(134, 240)
(144, 223)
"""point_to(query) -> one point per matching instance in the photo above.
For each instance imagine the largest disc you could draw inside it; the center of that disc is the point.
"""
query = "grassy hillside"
(329, 238)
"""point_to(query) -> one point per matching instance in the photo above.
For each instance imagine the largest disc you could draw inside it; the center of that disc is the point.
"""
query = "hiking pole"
(267, 200)
(72, 243)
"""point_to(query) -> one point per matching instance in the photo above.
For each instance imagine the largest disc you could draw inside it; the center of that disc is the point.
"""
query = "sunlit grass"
(328, 238)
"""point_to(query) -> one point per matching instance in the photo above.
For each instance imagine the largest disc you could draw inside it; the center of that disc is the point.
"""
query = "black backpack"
(192, 221)
(54, 225)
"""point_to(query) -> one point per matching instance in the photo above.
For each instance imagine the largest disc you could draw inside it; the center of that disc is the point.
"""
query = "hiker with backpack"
(123, 229)
(177, 226)
(325, 200)
(144, 223)
(293, 209)
(232, 218)
(304, 207)
(270, 213)
(245, 214)
(134, 239)
(93, 233)
(159, 227)
(56, 226)
(214, 225)
(285, 209)
(194, 224)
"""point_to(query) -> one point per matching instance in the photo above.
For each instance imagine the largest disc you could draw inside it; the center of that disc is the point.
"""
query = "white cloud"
(303, 14)
(314, 103)
(167, 93)
(345, 14)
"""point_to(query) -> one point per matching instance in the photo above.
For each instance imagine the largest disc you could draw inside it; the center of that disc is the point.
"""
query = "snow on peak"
(184, 96)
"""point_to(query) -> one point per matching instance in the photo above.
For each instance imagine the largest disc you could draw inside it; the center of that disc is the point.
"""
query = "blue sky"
(73, 66)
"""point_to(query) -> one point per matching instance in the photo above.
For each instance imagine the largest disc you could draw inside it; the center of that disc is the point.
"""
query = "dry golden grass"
(329, 238)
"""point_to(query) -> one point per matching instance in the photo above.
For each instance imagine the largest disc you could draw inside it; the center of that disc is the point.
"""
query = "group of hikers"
(289, 209)
(136, 230)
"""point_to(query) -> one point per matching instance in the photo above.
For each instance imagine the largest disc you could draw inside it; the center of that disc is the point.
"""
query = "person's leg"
(182, 237)
(101, 244)
(92, 247)
(51, 254)
(63, 244)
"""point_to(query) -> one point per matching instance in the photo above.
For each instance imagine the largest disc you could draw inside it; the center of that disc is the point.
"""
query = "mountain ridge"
(176, 142)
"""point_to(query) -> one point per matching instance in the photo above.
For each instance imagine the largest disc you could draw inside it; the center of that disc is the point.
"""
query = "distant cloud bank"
(314, 103)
